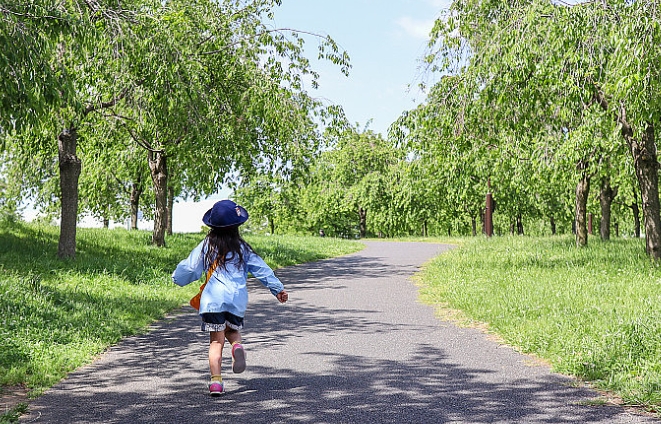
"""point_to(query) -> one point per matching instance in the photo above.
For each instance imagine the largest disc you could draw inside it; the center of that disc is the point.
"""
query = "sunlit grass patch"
(593, 312)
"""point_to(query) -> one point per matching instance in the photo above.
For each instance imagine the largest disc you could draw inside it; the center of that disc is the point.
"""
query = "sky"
(385, 40)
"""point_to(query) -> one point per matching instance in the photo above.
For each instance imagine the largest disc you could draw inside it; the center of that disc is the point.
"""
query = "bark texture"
(362, 214)
(646, 165)
(159, 176)
(636, 219)
(136, 192)
(606, 196)
(553, 228)
(170, 209)
(582, 192)
(70, 167)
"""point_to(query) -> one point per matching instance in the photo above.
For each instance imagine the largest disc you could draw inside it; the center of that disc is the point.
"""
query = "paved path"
(353, 345)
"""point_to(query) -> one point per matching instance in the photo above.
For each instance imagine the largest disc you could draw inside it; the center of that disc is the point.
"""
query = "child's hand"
(282, 296)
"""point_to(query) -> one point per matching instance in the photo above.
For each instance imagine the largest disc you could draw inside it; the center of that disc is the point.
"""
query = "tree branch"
(109, 14)
(229, 46)
(142, 143)
(122, 185)
(29, 15)
(104, 105)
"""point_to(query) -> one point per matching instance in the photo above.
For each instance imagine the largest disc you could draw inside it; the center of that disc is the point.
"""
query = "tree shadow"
(305, 366)
(33, 248)
(158, 377)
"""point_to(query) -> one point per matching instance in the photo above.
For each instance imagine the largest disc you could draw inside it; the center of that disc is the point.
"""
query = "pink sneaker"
(216, 388)
(238, 358)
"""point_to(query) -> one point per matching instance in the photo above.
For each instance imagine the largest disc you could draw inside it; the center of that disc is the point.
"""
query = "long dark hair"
(224, 245)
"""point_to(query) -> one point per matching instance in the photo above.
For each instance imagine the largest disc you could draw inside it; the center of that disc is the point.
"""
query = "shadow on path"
(336, 355)
(156, 381)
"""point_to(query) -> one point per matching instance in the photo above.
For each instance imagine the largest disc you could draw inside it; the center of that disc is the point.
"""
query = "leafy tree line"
(574, 86)
(552, 106)
(108, 106)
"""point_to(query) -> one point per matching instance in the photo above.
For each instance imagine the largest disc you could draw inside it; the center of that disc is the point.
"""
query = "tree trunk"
(646, 166)
(474, 225)
(170, 209)
(136, 192)
(70, 167)
(106, 218)
(606, 197)
(636, 219)
(519, 225)
(553, 229)
(362, 214)
(582, 192)
(159, 176)
(271, 225)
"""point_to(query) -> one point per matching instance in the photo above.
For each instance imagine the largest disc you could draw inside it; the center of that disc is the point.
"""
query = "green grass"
(419, 239)
(593, 312)
(58, 315)
(12, 415)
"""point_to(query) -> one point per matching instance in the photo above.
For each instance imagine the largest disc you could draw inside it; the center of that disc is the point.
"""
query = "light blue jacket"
(226, 290)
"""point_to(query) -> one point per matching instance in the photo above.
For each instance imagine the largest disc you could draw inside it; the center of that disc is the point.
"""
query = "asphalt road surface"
(352, 345)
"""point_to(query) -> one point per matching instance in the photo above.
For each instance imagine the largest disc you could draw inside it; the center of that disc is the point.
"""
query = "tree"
(227, 104)
(204, 87)
(358, 164)
(537, 66)
(30, 86)
(96, 85)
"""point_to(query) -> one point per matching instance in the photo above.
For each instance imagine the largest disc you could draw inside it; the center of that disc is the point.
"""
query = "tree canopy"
(543, 103)
(197, 92)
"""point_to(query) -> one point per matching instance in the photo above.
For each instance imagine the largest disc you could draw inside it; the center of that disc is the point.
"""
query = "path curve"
(353, 345)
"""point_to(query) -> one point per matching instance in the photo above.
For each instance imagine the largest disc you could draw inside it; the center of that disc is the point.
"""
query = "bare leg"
(238, 354)
(233, 336)
(216, 342)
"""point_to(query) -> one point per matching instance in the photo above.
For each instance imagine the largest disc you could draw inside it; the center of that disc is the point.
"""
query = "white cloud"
(417, 28)
(439, 4)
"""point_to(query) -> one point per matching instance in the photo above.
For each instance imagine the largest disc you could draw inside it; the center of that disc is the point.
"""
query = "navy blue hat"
(225, 213)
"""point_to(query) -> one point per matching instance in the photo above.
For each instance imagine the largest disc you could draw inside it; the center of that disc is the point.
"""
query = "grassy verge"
(441, 239)
(593, 312)
(57, 315)
(13, 414)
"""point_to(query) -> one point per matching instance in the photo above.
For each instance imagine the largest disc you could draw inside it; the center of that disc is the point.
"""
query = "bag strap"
(212, 268)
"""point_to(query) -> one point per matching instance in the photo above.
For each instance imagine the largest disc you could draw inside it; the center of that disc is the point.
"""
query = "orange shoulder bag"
(195, 301)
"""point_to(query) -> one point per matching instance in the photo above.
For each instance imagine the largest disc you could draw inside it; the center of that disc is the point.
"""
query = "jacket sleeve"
(190, 269)
(260, 270)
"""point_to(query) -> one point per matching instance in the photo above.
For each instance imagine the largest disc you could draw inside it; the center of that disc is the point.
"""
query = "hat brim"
(240, 219)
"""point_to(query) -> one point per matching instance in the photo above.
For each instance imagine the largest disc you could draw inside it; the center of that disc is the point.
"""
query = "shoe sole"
(215, 393)
(239, 361)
